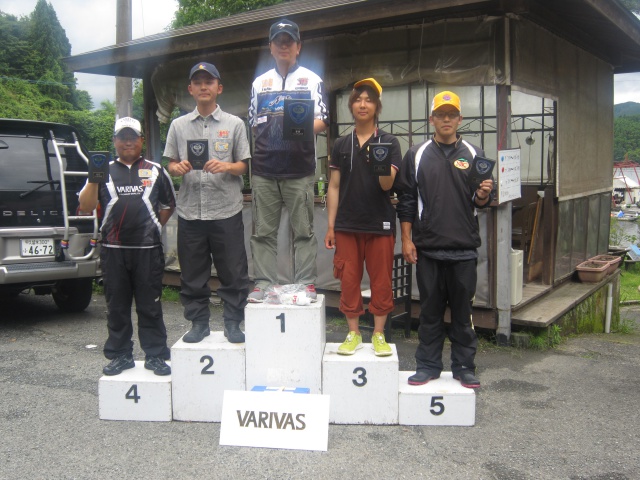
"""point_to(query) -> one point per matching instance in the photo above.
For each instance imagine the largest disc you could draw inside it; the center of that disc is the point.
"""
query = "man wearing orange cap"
(437, 212)
(361, 219)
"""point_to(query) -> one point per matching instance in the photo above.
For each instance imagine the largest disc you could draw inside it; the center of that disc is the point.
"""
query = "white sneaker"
(257, 296)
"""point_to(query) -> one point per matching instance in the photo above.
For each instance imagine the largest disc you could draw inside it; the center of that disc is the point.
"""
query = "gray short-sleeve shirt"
(207, 196)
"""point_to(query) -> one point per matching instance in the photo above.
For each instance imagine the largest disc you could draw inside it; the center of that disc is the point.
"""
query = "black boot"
(197, 333)
(232, 331)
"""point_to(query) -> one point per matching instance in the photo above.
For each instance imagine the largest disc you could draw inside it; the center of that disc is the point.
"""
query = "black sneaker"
(467, 379)
(422, 376)
(158, 365)
(118, 364)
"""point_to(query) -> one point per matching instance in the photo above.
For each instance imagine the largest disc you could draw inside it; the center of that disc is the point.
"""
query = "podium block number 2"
(206, 370)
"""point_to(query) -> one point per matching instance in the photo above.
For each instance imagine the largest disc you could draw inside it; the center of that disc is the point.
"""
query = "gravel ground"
(566, 413)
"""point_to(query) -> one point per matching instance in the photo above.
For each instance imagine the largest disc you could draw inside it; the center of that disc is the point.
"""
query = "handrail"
(63, 188)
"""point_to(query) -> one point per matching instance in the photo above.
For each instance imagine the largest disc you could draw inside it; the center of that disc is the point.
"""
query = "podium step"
(363, 388)
(136, 394)
(201, 373)
(440, 402)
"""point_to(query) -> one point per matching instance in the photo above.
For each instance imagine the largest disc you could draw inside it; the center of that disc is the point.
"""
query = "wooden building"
(533, 75)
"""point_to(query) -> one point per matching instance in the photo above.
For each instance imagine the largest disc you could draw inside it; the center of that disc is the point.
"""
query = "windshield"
(29, 162)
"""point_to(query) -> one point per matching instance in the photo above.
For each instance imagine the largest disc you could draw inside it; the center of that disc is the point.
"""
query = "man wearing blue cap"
(210, 227)
(283, 171)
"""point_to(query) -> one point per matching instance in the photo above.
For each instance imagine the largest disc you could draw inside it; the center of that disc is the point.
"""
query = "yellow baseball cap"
(371, 82)
(445, 98)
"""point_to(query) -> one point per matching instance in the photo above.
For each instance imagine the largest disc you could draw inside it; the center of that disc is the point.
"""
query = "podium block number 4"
(132, 393)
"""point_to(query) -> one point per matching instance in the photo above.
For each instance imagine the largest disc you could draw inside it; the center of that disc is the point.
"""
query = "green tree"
(48, 40)
(626, 138)
(191, 12)
(633, 5)
(15, 46)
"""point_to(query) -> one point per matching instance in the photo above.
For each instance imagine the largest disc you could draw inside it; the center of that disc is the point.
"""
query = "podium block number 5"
(132, 393)
(209, 363)
(437, 406)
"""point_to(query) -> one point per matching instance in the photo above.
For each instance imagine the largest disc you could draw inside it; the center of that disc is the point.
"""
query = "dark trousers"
(130, 273)
(221, 242)
(443, 283)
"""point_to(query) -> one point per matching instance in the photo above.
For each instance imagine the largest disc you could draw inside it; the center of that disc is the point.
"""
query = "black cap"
(207, 67)
(285, 26)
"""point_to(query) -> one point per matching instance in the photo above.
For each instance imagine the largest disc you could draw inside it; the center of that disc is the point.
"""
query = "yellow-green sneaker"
(380, 346)
(352, 343)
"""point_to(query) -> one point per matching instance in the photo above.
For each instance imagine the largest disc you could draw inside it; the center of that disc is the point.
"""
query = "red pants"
(352, 249)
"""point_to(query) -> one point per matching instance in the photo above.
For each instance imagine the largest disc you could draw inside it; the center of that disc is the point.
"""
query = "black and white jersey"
(131, 201)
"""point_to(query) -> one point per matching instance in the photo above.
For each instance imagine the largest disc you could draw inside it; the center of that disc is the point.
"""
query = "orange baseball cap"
(371, 82)
(445, 98)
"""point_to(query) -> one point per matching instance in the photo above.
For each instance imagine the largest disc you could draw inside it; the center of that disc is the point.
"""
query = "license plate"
(37, 247)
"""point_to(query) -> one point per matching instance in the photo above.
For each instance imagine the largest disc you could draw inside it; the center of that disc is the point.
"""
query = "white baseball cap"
(127, 122)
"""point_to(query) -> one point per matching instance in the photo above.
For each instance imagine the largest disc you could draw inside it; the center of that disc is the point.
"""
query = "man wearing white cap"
(283, 171)
(137, 200)
(437, 212)
(210, 227)
(361, 218)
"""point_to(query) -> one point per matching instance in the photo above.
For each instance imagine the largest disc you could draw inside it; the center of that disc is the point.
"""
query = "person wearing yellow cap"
(437, 212)
(361, 218)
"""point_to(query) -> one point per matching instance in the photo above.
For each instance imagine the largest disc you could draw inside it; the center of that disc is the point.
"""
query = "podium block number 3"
(208, 361)
(132, 393)
(361, 379)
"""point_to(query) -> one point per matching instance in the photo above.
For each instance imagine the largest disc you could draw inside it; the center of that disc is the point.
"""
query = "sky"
(91, 24)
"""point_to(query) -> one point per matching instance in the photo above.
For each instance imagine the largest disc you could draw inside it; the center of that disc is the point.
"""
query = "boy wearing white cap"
(137, 200)
(437, 212)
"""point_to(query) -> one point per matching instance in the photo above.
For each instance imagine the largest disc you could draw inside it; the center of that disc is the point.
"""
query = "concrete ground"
(566, 413)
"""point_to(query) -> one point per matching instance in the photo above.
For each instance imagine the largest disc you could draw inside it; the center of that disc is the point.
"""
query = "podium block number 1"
(281, 318)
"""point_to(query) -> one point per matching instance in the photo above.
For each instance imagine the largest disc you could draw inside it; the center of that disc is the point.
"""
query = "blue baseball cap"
(206, 67)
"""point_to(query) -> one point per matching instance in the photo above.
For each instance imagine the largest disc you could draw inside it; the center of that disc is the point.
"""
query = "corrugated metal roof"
(602, 27)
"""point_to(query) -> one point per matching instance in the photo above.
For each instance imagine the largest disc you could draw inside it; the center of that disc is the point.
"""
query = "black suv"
(44, 244)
